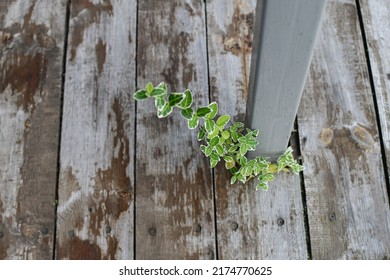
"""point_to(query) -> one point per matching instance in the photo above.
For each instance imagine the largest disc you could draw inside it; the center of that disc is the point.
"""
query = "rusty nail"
(332, 216)
(280, 222)
(152, 231)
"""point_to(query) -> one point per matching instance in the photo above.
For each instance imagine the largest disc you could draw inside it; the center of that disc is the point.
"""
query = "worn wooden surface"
(174, 191)
(347, 202)
(375, 16)
(133, 186)
(96, 184)
(250, 224)
(31, 51)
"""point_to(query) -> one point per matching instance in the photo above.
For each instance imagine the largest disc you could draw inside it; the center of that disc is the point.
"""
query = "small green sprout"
(221, 141)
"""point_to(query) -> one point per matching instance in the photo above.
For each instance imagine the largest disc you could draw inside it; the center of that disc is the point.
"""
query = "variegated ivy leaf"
(165, 111)
(243, 149)
(175, 98)
(213, 163)
(158, 92)
(187, 113)
(140, 95)
(202, 111)
(213, 110)
(208, 150)
(160, 103)
(203, 148)
(233, 179)
(201, 134)
(209, 125)
(214, 133)
(222, 121)
(219, 150)
(187, 100)
(214, 141)
(163, 86)
(193, 122)
(149, 88)
(230, 164)
(225, 134)
(262, 185)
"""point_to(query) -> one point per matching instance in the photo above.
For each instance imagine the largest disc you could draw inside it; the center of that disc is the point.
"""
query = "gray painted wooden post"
(285, 33)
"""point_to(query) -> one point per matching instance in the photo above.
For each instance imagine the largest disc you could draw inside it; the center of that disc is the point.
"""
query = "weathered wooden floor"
(86, 173)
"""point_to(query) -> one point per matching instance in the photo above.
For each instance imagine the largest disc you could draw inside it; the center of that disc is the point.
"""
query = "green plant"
(220, 141)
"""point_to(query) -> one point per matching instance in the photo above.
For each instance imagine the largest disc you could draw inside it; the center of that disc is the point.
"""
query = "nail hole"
(1, 234)
(198, 228)
(280, 222)
(44, 230)
(71, 234)
(108, 229)
(234, 226)
(332, 216)
(152, 231)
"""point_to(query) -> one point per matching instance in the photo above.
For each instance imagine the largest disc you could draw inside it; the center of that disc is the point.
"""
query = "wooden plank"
(174, 198)
(347, 203)
(376, 21)
(31, 53)
(95, 210)
(285, 35)
(250, 224)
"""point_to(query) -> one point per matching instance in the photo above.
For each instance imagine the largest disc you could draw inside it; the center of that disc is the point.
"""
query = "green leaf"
(223, 120)
(233, 180)
(225, 134)
(219, 150)
(140, 95)
(221, 141)
(193, 122)
(159, 103)
(163, 86)
(158, 92)
(263, 186)
(214, 133)
(203, 148)
(213, 163)
(214, 141)
(213, 110)
(187, 100)
(243, 160)
(243, 149)
(234, 136)
(187, 113)
(175, 98)
(149, 88)
(209, 125)
(215, 156)
(229, 164)
(165, 111)
(233, 148)
(208, 150)
(202, 111)
(201, 134)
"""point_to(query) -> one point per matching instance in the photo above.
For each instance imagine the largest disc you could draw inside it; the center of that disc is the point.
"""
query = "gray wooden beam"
(285, 33)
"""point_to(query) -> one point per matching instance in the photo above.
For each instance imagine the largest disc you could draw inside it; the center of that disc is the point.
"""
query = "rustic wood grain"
(375, 15)
(31, 51)
(347, 203)
(250, 224)
(95, 210)
(174, 197)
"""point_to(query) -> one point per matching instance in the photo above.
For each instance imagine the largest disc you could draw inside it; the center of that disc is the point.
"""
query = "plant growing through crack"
(221, 141)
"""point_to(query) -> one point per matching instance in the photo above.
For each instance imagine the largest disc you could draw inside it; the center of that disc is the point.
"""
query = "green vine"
(220, 141)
